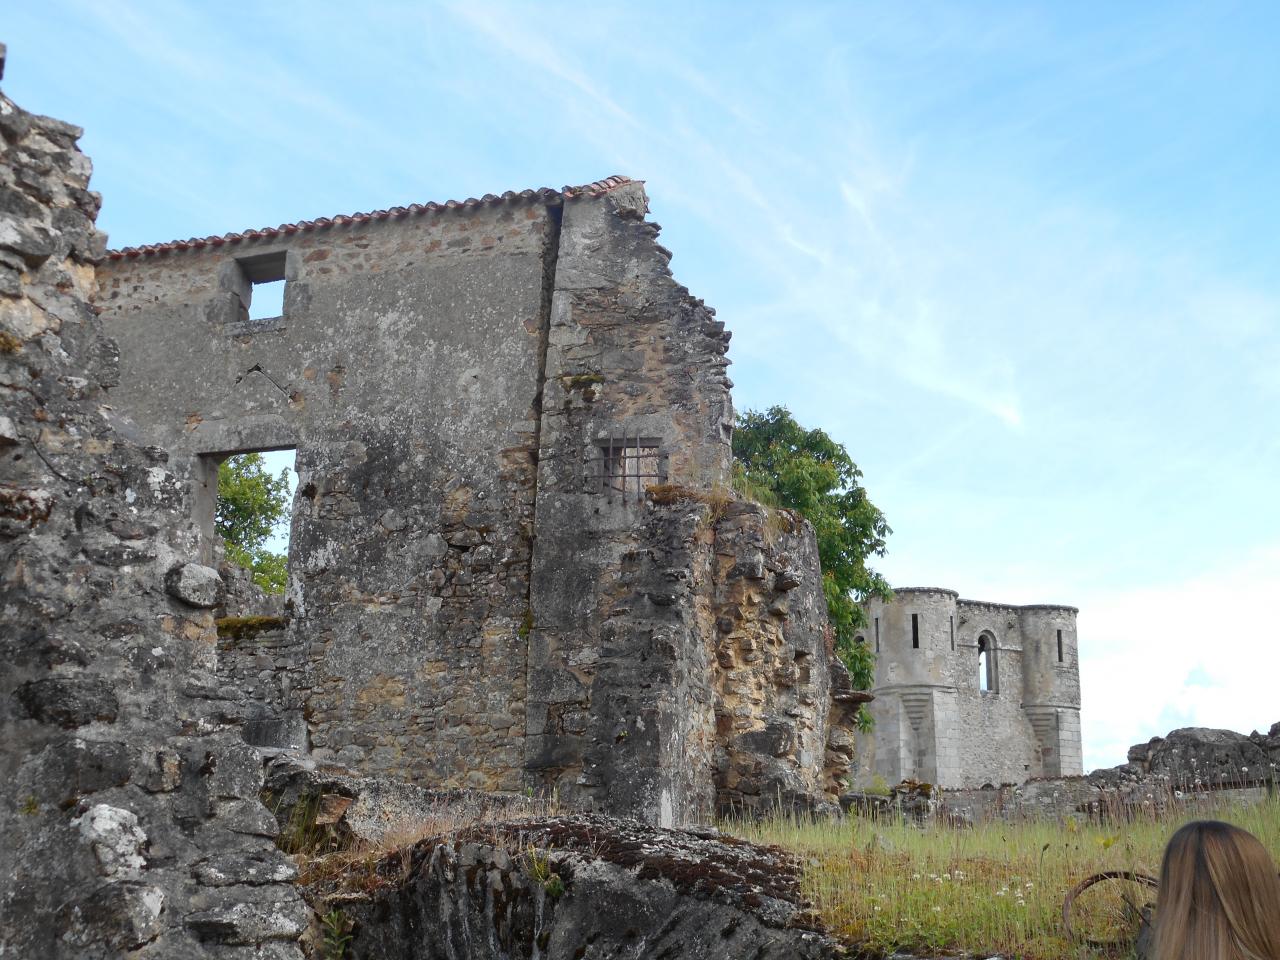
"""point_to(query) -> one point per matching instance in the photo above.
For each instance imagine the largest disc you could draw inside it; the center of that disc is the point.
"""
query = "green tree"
(780, 463)
(252, 504)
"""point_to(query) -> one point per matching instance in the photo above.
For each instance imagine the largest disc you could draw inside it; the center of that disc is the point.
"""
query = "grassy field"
(993, 888)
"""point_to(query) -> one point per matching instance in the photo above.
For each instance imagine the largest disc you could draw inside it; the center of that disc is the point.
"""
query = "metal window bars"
(626, 465)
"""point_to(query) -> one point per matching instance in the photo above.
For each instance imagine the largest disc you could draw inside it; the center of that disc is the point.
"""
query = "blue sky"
(1019, 259)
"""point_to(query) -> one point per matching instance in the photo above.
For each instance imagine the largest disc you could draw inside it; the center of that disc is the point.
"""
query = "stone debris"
(589, 887)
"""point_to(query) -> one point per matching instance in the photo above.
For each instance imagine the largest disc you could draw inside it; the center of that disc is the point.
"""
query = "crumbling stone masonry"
(970, 693)
(129, 812)
(516, 562)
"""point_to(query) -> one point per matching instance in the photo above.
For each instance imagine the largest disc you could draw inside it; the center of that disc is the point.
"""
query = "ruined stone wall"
(472, 600)
(406, 371)
(620, 708)
(130, 814)
(781, 738)
(933, 720)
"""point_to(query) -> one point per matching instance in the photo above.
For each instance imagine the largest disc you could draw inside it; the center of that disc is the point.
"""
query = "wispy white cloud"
(1200, 652)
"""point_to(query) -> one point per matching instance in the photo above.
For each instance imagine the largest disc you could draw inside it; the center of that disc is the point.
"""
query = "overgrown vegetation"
(252, 506)
(997, 888)
(330, 861)
(779, 463)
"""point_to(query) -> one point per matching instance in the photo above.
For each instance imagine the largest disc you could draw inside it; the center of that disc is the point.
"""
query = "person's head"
(1219, 896)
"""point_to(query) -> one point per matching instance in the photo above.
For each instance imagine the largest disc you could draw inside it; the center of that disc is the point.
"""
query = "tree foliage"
(780, 463)
(252, 505)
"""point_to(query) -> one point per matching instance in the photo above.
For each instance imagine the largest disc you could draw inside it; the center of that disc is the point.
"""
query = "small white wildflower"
(1028, 885)
(876, 908)
(1244, 769)
(946, 876)
(937, 909)
(915, 876)
(1001, 893)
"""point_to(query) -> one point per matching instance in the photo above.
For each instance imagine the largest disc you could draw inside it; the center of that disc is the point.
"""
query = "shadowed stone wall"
(129, 810)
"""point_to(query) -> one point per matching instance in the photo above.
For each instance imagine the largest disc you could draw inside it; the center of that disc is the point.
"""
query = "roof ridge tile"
(596, 188)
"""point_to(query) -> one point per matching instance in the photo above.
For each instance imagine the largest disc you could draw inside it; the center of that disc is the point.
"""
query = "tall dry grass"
(993, 888)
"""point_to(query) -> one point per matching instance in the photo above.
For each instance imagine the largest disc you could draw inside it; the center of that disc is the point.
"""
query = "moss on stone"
(581, 381)
(242, 628)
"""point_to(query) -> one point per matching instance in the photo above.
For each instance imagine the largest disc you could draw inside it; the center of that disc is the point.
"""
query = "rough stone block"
(195, 585)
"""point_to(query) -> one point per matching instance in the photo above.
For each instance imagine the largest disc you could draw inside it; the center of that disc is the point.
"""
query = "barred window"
(626, 465)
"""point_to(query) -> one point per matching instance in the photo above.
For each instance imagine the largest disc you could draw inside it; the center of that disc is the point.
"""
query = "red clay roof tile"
(596, 189)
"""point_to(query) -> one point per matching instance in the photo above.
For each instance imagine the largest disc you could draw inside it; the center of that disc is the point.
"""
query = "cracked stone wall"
(129, 811)
(469, 603)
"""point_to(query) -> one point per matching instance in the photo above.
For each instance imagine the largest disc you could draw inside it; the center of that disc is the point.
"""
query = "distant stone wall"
(1190, 768)
(130, 814)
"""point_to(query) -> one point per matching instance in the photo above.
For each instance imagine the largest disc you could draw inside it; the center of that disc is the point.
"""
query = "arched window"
(987, 680)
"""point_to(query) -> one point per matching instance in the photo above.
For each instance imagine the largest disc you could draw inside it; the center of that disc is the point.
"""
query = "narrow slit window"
(1059, 646)
(877, 634)
(627, 465)
(987, 664)
(953, 633)
(915, 631)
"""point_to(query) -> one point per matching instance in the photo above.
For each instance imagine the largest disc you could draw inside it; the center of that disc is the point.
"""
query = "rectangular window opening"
(915, 631)
(263, 293)
(877, 634)
(627, 466)
(953, 633)
(1059, 646)
(248, 504)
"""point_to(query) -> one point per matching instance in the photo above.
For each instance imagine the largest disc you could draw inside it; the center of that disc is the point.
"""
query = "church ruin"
(970, 693)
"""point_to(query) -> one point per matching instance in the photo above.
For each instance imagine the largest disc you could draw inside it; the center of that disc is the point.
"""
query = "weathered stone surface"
(112, 777)
(1203, 756)
(71, 701)
(1184, 767)
(195, 585)
(588, 888)
(369, 810)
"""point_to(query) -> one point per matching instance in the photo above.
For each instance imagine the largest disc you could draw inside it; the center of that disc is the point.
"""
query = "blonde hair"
(1219, 896)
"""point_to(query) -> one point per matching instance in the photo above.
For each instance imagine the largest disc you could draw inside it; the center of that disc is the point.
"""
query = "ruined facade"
(516, 563)
(970, 693)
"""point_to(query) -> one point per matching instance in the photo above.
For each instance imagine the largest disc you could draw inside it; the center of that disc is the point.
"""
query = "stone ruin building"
(970, 693)
(516, 563)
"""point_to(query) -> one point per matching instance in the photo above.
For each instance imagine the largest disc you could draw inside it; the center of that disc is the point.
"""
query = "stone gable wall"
(406, 372)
